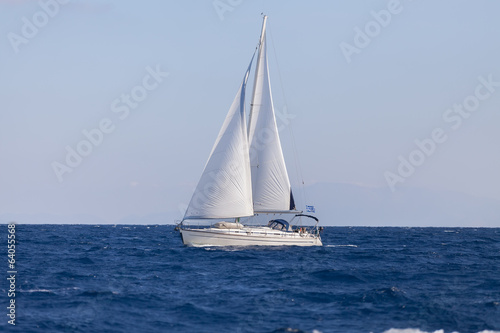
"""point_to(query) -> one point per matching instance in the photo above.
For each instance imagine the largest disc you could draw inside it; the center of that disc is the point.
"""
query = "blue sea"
(104, 278)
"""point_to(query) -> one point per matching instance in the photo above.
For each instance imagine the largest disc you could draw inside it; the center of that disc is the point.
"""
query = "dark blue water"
(142, 279)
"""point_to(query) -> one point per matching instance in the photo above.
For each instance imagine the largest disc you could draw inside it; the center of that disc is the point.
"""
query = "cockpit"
(279, 224)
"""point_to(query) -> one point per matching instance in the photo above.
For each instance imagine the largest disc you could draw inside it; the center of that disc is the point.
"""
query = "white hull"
(263, 236)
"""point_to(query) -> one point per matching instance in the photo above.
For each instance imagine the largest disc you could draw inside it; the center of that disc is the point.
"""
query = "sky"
(386, 95)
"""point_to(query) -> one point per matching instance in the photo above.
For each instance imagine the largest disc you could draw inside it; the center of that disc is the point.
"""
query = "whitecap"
(410, 330)
(37, 291)
(416, 330)
(206, 248)
(345, 245)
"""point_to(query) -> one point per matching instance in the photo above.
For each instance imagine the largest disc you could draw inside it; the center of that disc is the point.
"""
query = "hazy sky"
(359, 82)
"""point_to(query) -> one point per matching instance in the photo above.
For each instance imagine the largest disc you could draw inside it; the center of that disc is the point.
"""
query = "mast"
(257, 67)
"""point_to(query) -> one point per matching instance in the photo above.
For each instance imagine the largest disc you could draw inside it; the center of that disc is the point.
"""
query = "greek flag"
(310, 209)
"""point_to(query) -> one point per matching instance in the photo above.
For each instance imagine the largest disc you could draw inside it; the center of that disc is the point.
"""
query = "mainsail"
(225, 188)
(270, 184)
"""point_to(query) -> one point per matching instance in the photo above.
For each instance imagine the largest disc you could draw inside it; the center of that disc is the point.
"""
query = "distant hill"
(51, 219)
(347, 204)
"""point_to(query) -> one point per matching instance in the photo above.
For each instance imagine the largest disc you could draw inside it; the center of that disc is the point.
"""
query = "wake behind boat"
(246, 176)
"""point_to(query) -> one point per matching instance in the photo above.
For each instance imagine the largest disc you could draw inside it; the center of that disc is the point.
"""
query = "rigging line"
(298, 169)
(251, 98)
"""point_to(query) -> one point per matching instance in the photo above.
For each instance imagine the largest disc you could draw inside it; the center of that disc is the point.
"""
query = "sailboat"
(246, 176)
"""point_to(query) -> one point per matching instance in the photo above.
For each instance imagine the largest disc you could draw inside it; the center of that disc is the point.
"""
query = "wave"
(291, 330)
(94, 293)
(335, 275)
(416, 330)
(37, 291)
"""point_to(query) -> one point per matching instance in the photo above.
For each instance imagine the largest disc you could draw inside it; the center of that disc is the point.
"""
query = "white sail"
(225, 188)
(270, 184)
